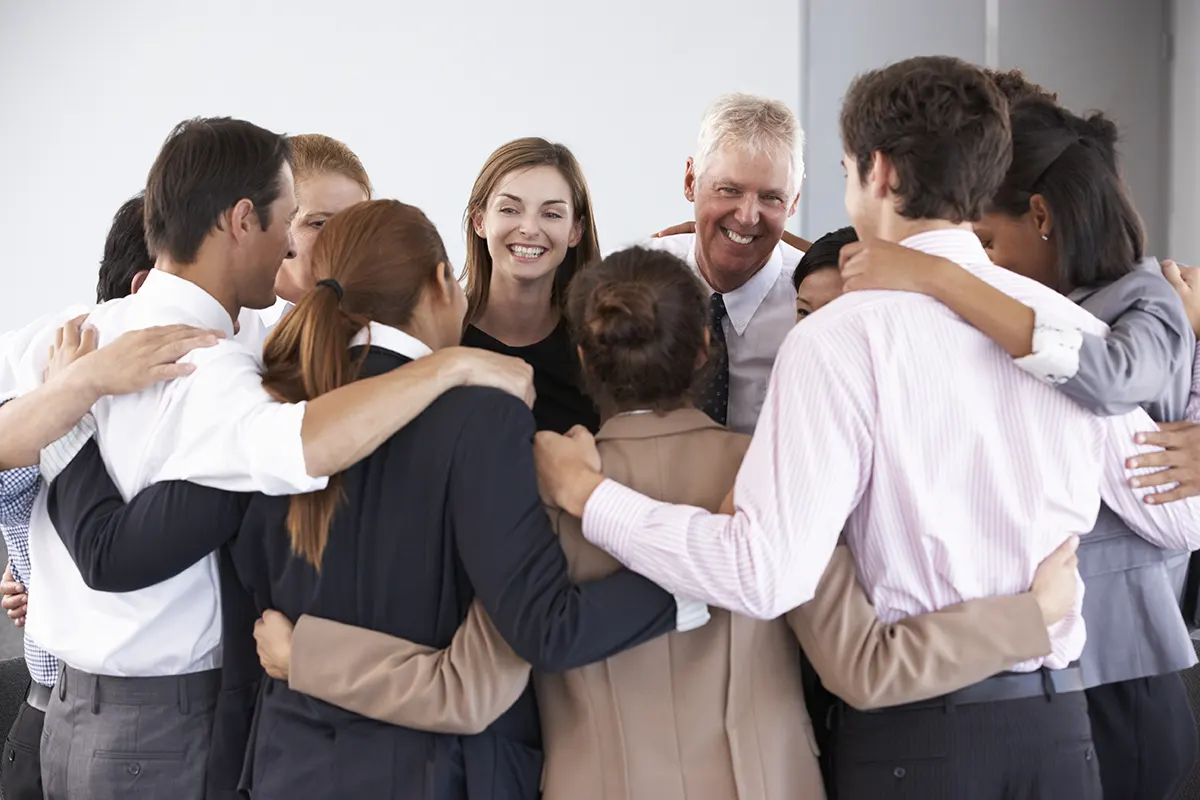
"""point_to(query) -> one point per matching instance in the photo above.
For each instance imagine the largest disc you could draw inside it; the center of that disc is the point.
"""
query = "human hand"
(568, 468)
(1186, 283)
(1179, 460)
(1055, 581)
(273, 633)
(475, 367)
(16, 599)
(675, 230)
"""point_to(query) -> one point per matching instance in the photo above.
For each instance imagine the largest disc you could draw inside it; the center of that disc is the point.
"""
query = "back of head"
(517, 155)
(383, 255)
(944, 126)
(824, 252)
(757, 125)
(125, 251)
(315, 153)
(1016, 88)
(639, 318)
(1071, 161)
(205, 167)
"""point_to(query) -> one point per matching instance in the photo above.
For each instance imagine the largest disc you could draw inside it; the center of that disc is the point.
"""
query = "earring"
(1045, 238)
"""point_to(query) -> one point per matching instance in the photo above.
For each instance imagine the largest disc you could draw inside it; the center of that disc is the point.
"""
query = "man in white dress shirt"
(132, 712)
(744, 180)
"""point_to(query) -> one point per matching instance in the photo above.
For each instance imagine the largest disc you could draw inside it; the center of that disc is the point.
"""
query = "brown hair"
(383, 254)
(944, 126)
(525, 154)
(639, 317)
(315, 153)
(206, 166)
(1016, 88)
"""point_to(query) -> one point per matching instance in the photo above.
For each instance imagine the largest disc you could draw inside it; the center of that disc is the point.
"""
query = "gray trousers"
(111, 738)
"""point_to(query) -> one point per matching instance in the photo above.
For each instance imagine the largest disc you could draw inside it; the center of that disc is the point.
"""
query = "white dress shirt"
(759, 316)
(953, 472)
(217, 427)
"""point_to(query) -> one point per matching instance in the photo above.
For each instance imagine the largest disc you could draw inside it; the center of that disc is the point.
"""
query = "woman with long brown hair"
(530, 229)
(444, 512)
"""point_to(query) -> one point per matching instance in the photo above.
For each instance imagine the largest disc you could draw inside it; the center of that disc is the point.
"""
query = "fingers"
(1182, 425)
(848, 252)
(1164, 438)
(1180, 492)
(1161, 458)
(1171, 272)
(178, 344)
(89, 339)
(14, 603)
(1068, 548)
(675, 230)
(10, 586)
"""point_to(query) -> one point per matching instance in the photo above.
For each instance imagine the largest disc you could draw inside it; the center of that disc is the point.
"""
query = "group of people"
(724, 515)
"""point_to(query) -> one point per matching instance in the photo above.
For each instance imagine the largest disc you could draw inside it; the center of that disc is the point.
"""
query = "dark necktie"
(714, 398)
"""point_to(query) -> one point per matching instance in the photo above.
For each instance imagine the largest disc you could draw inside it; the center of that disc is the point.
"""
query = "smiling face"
(529, 224)
(743, 201)
(319, 197)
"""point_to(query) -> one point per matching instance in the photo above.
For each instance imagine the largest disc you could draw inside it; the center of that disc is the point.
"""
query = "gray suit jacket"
(1132, 588)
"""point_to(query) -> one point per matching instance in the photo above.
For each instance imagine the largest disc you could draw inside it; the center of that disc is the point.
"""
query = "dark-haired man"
(951, 472)
(133, 710)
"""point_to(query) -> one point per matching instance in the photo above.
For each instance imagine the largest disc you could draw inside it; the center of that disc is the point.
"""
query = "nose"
(529, 225)
(747, 211)
(291, 245)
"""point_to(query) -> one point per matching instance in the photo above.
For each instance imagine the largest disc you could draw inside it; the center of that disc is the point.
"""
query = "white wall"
(422, 92)
(1185, 133)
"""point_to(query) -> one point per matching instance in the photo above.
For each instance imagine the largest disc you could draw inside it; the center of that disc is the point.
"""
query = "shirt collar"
(744, 301)
(163, 288)
(393, 339)
(954, 244)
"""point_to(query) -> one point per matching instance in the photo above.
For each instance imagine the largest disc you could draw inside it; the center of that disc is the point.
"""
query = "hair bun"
(623, 315)
(1100, 129)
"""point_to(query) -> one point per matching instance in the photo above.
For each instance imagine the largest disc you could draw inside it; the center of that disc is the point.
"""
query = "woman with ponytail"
(444, 512)
(1063, 217)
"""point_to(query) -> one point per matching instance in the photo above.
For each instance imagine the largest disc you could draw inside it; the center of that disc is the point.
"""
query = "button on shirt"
(761, 312)
(953, 472)
(217, 427)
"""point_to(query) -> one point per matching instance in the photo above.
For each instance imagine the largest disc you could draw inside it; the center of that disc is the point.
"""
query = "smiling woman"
(329, 178)
(530, 228)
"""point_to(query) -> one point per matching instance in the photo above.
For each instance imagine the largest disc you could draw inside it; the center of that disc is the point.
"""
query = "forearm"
(345, 426)
(32, 421)
(1001, 318)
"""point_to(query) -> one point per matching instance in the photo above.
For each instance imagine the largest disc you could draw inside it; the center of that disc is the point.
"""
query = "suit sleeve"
(1150, 341)
(870, 664)
(515, 563)
(122, 547)
(460, 690)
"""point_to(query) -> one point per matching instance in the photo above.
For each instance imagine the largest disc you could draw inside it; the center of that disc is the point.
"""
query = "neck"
(210, 271)
(896, 228)
(519, 313)
(723, 282)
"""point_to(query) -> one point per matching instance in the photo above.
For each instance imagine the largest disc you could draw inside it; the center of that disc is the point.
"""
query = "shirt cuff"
(58, 454)
(690, 614)
(611, 515)
(280, 442)
(1055, 356)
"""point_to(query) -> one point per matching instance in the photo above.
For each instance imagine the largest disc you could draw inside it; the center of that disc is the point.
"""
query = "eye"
(554, 215)
(728, 191)
(317, 224)
(801, 313)
(508, 210)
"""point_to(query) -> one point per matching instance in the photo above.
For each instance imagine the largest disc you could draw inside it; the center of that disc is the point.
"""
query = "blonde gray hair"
(756, 125)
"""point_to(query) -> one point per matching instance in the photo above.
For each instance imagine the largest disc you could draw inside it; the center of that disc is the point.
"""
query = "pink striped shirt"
(953, 472)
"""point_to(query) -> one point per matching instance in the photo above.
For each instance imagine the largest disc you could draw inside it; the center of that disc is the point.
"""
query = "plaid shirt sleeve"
(18, 488)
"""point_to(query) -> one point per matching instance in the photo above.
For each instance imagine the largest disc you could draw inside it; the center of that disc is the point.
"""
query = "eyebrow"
(519, 200)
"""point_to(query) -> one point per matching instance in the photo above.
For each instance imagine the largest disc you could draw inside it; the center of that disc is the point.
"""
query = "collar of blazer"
(654, 424)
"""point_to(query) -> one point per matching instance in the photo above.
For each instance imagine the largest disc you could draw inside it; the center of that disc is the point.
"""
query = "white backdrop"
(422, 92)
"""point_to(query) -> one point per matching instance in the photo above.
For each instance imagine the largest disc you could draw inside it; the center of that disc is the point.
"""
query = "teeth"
(736, 238)
(527, 252)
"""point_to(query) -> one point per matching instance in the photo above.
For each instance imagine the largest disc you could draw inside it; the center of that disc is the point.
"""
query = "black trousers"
(1145, 736)
(21, 768)
(1038, 748)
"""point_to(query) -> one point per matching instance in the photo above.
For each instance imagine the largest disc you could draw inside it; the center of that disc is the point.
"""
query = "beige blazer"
(717, 712)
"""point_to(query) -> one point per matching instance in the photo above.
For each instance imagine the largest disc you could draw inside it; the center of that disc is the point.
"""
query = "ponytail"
(307, 355)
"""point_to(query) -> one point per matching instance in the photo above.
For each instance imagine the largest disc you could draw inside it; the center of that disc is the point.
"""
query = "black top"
(445, 511)
(561, 403)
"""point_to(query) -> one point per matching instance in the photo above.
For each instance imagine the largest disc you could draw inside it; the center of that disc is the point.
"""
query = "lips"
(737, 238)
(526, 252)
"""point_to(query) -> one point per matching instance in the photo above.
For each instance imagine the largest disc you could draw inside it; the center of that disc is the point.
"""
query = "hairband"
(333, 284)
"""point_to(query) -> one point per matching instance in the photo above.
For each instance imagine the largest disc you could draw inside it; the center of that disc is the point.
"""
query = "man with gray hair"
(744, 180)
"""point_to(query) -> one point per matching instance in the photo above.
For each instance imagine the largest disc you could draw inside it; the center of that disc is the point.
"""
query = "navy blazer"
(445, 511)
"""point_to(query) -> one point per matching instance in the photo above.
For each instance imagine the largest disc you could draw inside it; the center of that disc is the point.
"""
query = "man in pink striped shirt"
(952, 472)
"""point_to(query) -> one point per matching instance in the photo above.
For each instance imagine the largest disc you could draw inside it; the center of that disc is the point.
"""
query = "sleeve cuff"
(690, 614)
(611, 515)
(1055, 356)
(280, 439)
(58, 454)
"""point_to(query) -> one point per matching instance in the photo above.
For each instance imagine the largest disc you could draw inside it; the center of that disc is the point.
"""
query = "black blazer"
(444, 511)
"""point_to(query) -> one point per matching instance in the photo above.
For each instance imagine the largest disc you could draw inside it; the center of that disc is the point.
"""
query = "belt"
(38, 696)
(1005, 686)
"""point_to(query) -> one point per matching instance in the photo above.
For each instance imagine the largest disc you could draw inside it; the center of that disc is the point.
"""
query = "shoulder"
(679, 245)
(791, 258)
(482, 412)
(1140, 285)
